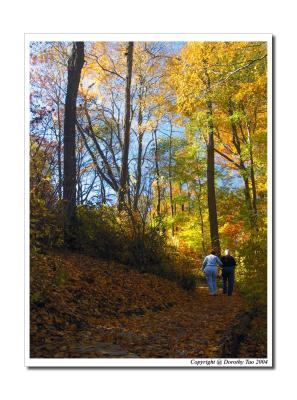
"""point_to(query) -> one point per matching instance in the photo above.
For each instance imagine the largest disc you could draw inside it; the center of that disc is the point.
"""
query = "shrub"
(98, 232)
(105, 233)
(189, 282)
(45, 226)
(45, 216)
(251, 272)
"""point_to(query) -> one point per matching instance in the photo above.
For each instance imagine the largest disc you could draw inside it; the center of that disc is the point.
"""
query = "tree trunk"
(158, 174)
(170, 181)
(182, 206)
(247, 195)
(139, 160)
(75, 64)
(201, 217)
(211, 195)
(109, 175)
(125, 170)
(102, 191)
(242, 168)
(59, 152)
(253, 181)
(254, 190)
(189, 198)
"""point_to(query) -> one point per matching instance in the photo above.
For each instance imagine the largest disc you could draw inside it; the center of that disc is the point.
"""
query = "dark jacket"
(228, 261)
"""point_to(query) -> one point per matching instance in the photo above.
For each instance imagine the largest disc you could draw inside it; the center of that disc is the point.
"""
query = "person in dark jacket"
(228, 269)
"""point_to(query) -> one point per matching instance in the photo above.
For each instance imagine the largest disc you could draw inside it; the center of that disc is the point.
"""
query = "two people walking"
(209, 267)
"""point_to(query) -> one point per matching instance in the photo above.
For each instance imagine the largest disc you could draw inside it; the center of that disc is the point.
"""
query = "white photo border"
(150, 362)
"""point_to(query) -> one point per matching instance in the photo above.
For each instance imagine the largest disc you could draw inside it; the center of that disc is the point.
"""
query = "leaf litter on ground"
(90, 308)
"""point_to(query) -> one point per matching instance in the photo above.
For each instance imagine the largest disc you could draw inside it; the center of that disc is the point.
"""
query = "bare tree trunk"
(59, 152)
(253, 181)
(247, 194)
(139, 160)
(181, 193)
(75, 64)
(211, 195)
(158, 174)
(125, 170)
(242, 168)
(254, 190)
(170, 181)
(102, 190)
(109, 176)
(201, 217)
(171, 207)
(189, 198)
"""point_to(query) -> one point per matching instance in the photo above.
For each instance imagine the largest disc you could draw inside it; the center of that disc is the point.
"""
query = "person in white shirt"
(209, 267)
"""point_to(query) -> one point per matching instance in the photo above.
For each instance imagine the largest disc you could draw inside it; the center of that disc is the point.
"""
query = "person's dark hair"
(213, 251)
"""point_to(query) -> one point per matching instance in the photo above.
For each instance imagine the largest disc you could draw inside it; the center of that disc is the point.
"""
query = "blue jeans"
(228, 280)
(211, 278)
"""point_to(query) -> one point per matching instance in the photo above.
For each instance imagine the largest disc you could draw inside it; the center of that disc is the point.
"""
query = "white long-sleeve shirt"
(211, 261)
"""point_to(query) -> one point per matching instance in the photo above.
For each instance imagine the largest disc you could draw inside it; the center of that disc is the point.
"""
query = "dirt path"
(193, 329)
(94, 321)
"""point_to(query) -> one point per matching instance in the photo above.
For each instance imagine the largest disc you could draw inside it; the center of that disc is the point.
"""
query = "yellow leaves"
(231, 228)
(207, 68)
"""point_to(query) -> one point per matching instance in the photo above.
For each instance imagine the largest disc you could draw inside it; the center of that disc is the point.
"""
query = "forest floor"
(82, 307)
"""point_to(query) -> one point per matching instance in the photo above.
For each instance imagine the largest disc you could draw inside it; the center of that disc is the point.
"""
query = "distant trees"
(174, 137)
(209, 85)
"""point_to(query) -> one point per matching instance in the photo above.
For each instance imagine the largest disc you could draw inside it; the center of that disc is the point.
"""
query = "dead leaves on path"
(255, 343)
(84, 307)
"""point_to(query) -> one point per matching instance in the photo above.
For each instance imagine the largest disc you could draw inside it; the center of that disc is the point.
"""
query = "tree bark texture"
(75, 64)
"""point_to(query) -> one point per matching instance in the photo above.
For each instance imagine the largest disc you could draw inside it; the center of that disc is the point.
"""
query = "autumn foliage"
(168, 158)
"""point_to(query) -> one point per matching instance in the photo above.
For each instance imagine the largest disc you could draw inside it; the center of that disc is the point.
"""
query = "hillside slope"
(85, 307)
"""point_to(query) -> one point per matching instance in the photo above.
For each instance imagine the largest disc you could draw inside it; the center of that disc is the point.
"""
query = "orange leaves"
(232, 228)
(107, 310)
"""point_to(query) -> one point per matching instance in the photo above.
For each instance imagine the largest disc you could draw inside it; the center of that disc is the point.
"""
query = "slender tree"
(139, 157)
(157, 169)
(211, 193)
(126, 142)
